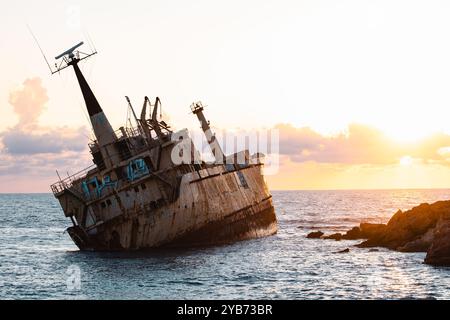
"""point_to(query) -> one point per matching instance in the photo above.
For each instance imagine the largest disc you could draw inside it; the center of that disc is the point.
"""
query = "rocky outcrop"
(314, 235)
(365, 231)
(334, 236)
(411, 230)
(421, 244)
(439, 251)
(353, 234)
(425, 228)
(343, 251)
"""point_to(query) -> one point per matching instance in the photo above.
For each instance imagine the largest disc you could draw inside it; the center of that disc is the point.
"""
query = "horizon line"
(307, 190)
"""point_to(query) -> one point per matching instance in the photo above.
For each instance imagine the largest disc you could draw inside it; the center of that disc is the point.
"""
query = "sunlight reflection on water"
(35, 255)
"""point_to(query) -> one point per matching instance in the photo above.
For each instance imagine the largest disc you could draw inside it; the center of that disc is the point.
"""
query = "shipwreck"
(144, 190)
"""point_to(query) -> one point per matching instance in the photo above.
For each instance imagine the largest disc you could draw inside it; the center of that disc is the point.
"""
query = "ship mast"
(103, 130)
(197, 109)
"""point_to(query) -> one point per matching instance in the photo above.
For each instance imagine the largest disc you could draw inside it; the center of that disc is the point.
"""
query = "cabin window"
(136, 189)
(136, 169)
(124, 149)
(98, 160)
(108, 202)
(103, 205)
(148, 162)
(143, 186)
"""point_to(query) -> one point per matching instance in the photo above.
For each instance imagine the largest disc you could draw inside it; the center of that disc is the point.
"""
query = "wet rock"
(314, 235)
(439, 252)
(334, 236)
(370, 230)
(420, 244)
(425, 228)
(365, 231)
(353, 234)
(343, 251)
(407, 230)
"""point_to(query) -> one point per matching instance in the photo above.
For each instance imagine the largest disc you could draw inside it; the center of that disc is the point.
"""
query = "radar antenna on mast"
(71, 56)
(70, 51)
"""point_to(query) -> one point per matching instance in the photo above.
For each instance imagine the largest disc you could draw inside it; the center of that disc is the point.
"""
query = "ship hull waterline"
(214, 218)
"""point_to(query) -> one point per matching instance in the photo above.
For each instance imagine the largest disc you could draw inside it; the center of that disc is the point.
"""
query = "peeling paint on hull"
(201, 216)
(231, 229)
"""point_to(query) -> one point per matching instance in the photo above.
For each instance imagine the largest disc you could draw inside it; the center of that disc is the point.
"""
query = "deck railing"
(66, 183)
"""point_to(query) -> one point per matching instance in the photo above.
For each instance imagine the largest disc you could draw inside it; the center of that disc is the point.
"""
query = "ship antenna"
(103, 131)
(70, 55)
(91, 43)
(40, 49)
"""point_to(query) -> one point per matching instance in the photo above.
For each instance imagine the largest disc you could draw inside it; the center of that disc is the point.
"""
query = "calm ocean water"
(39, 261)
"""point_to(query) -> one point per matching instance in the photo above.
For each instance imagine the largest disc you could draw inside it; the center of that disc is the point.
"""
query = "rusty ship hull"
(149, 187)
(213, 208)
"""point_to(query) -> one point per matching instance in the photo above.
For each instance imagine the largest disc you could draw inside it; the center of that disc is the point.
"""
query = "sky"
(358, 90)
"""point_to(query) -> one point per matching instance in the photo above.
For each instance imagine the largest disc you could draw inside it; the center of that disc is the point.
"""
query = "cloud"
(29, 149)
(360, 144)
(29, 101)
(40, 165)
(28, 137)
(312, 175)
(24, 173)
(53, 141)
(361, 156)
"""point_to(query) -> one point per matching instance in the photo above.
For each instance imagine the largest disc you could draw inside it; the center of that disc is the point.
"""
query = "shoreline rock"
(425, 228)
(343, 251)
(335, 236)
(315, 235)
(439, 252)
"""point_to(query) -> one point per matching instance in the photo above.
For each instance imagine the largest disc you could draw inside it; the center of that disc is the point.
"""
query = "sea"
(39, 261)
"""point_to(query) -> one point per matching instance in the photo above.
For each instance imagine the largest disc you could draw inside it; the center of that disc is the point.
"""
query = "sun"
(407, 136)
(406, 132)
(406, 161)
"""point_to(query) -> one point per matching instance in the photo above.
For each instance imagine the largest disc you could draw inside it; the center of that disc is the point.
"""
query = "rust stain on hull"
(230, 229)
(242, 216)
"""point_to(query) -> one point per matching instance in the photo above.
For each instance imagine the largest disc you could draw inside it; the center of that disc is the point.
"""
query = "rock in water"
(344, 251)
(419, 245)
(370, 230)
(425, 228)
(334, 236)
(365, 231)
(409, 226)
(439, 251)
(353, 234)
(314, 235)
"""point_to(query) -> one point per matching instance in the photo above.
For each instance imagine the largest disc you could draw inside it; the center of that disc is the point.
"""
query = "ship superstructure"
(148, 186)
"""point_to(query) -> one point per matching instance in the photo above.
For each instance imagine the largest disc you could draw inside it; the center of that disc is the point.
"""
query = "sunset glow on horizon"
(358, 90)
